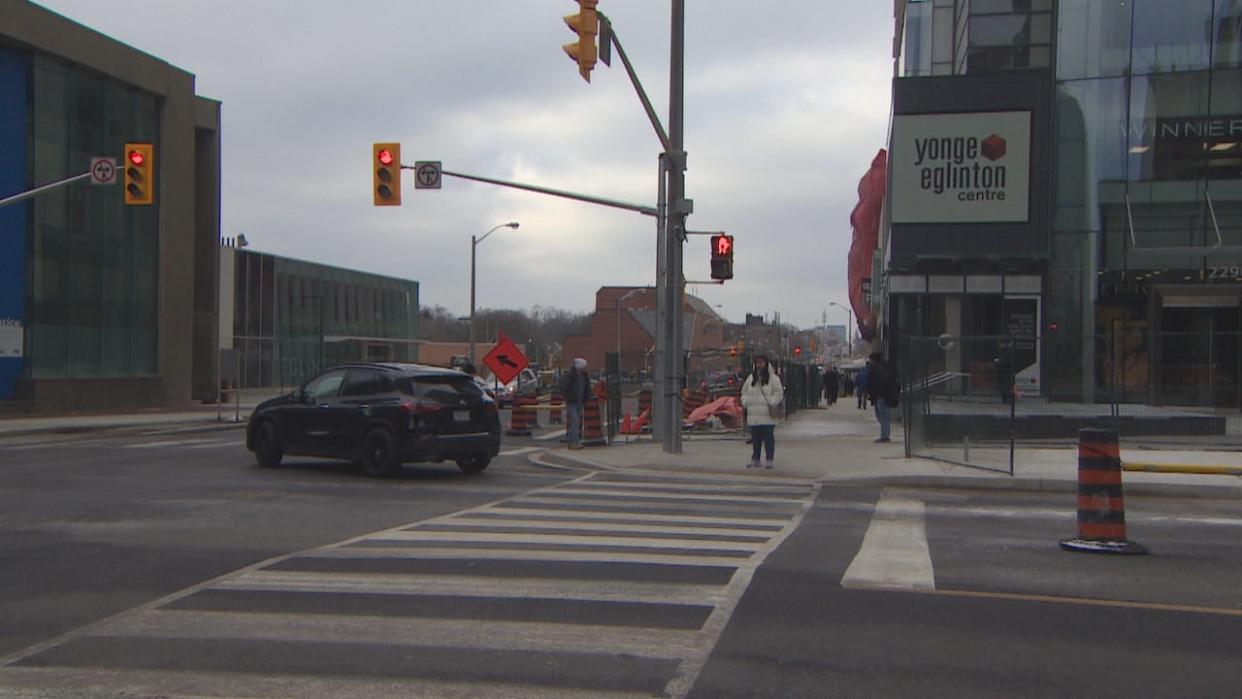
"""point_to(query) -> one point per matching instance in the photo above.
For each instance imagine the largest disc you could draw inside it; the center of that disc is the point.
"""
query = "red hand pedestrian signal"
(722, 256)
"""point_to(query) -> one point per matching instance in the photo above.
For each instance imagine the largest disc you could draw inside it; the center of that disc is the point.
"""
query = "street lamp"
(849, 328)
(474, 243)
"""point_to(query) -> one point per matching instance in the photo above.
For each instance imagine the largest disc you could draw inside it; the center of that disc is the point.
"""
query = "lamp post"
(474, 243)
(849, 328)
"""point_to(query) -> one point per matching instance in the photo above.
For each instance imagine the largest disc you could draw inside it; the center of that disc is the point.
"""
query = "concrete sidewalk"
(837, 445)
(190, 416)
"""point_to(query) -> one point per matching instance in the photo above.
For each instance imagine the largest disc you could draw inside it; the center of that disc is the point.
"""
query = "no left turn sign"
(103, 171)
(427, 174)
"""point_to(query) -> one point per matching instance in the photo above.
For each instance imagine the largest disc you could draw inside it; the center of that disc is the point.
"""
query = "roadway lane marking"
(548, 436)
(519, 450)
(568, 540)
(774, 522)
(603, 527)
(1085, 601)
(894, 552)
(476, 586)
(618, 492)
(493, 634)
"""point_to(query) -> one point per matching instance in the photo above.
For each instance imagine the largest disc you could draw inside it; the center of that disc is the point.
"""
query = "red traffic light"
(136, 157)
(797, 350)
(385, 157)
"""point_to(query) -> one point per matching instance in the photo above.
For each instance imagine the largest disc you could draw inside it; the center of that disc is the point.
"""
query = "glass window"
(362, 382)
(1166, 126)
(1227, 33)
(326, 385)
(1171, 36)
(917, 40)
(1091, 150)
(1010, 30)
(94, 262)
(980, 7)
(1093, 38)
(444, 389)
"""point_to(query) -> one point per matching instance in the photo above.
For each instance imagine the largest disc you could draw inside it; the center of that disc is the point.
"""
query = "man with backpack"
(884, 391)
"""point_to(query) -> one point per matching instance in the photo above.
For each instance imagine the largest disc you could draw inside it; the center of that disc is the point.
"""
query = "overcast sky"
(786, 104)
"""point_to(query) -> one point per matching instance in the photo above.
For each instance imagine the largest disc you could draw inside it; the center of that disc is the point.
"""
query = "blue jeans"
(884, 413)
(762, 436)
(574, 429)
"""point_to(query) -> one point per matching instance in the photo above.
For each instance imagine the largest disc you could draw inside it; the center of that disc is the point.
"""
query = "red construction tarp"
(727, 408)
(865, 220)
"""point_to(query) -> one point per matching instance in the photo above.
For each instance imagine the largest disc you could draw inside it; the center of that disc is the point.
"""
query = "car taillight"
(421, 407)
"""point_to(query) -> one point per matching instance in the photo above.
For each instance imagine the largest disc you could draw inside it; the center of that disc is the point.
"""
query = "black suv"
(380, 416)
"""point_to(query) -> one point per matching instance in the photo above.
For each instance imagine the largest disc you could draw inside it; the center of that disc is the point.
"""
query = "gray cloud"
(786, 104)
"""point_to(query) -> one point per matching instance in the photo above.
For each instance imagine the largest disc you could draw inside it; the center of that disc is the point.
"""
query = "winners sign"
(961, 168)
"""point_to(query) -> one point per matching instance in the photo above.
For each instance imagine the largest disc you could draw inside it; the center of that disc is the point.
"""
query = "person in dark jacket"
(884, 391)
(1004, 370)
(576, 387)
(832, 385)
(860, 388)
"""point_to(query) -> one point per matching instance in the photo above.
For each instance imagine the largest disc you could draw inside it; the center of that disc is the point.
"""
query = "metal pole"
(474, 243)
(43, 188)
(658, 407)
(679, 207)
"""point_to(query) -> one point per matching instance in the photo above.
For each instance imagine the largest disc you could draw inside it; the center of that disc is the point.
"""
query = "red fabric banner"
(865, 220)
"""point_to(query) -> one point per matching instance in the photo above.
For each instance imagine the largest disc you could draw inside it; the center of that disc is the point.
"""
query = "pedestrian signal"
(722, 256)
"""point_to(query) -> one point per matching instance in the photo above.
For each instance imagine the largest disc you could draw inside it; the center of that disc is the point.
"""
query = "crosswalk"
(612, 584)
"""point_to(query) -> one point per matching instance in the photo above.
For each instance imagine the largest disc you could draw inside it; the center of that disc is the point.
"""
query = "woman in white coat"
(762, 395)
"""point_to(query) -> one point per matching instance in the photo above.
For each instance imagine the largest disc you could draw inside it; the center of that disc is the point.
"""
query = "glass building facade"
(93, 272)
(1139, 289)
(291, 319)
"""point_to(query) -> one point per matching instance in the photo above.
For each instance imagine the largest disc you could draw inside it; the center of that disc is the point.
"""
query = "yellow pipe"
(1201, 469)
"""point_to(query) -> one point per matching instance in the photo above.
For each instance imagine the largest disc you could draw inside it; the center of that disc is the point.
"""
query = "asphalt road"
(168, 565)
(91, 525)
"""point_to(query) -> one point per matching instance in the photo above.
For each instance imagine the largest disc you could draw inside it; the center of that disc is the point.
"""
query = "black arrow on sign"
(505, 361)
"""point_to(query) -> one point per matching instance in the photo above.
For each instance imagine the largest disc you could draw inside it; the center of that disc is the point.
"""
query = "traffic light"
(139, 163)
(722, 256)
(386, 164)
(798, 352)
(586, 25)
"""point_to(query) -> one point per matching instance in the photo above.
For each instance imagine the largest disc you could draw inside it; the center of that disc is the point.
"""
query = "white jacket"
(757, 398)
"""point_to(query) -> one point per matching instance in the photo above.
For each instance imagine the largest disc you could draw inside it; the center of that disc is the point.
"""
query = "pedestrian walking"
(847, 385)
(576, 387)
(884, 391)
(860, 387)
(832, 385)
(763, 396)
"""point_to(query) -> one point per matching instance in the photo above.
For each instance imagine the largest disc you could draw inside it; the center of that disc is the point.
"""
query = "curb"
(169, 427)
(1015, 484)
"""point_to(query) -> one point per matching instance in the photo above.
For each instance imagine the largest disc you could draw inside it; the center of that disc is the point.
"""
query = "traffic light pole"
(678, 208)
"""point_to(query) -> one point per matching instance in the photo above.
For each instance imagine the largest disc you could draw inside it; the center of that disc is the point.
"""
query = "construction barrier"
(1101, 504)
(693, 401)
(519, 424)
(644, 402)
(592, 425)
(556, 413)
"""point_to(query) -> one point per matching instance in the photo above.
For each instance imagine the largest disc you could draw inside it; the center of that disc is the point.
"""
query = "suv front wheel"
(379, 453)
(267, 450)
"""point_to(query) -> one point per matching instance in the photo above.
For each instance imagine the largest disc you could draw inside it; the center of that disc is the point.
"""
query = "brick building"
(632, 310)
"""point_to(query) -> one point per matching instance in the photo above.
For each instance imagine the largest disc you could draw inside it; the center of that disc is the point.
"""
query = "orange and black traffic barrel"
(1101, 503)
(592, 425)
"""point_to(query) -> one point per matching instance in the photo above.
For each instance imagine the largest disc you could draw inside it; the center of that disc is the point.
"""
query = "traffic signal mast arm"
(12, 199)
(611, 36)
(640, 208)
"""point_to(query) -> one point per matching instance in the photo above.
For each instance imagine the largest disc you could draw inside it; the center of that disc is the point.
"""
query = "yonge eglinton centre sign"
(961, 168)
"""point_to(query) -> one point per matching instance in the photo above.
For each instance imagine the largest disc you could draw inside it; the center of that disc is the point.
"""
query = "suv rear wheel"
(474, 464)
(267, 450)
(379, 453)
